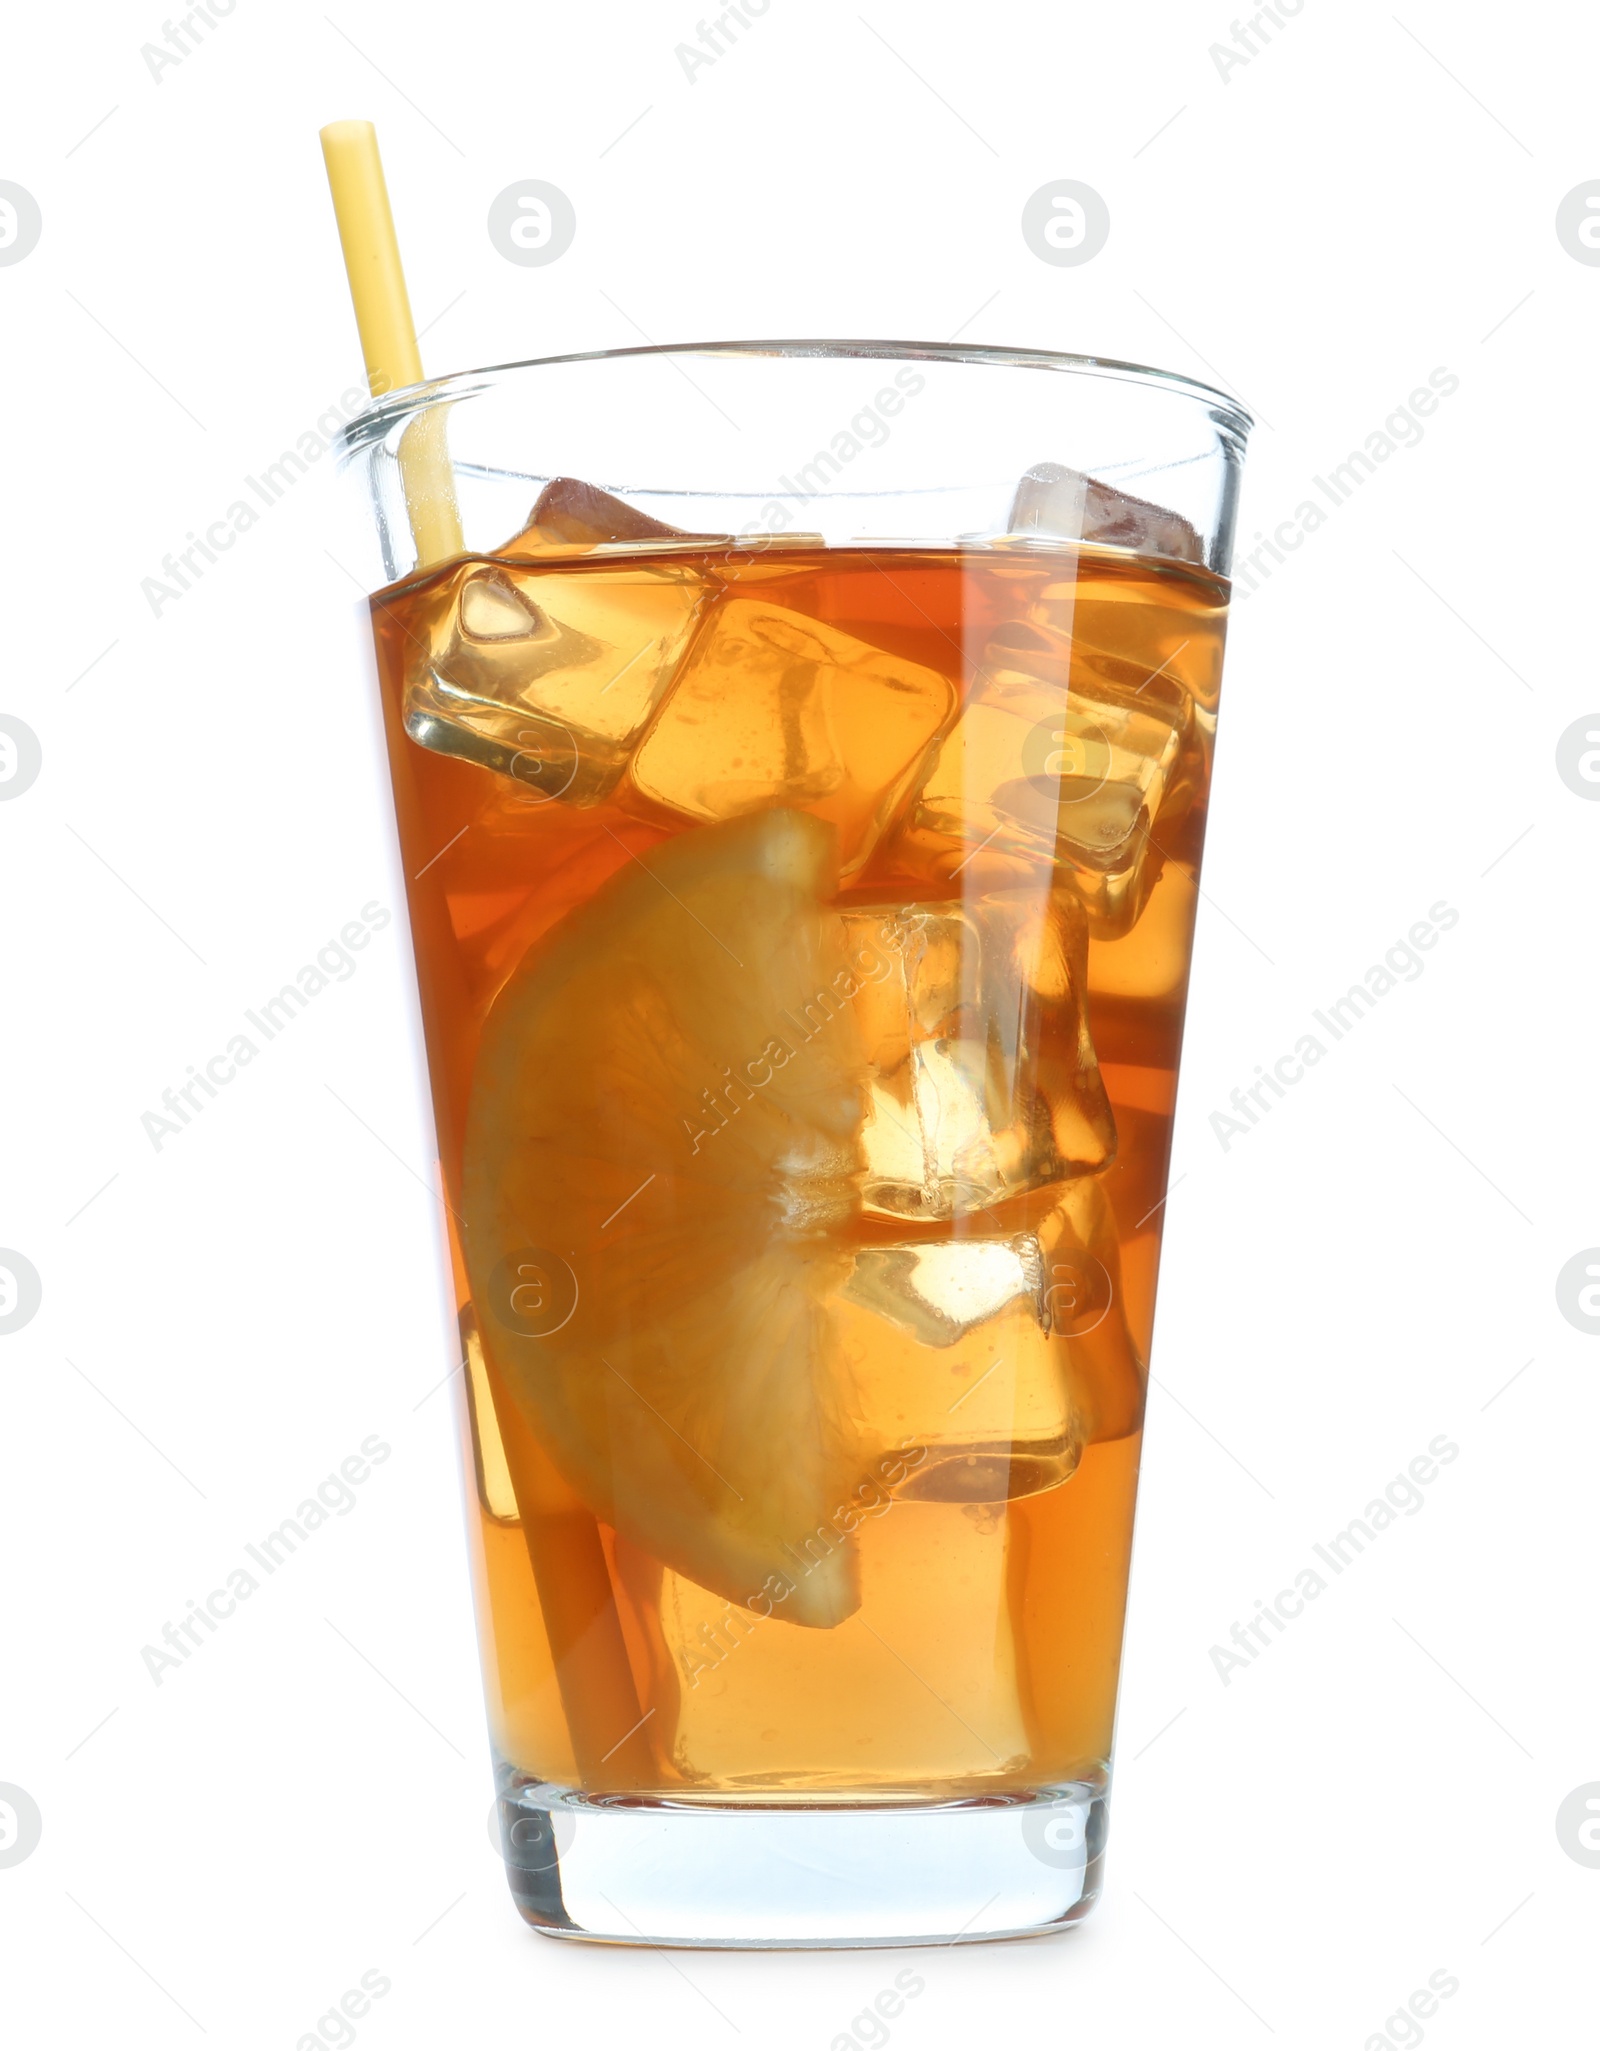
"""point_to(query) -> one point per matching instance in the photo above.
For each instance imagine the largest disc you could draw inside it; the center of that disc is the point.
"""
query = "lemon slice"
(663, 1144)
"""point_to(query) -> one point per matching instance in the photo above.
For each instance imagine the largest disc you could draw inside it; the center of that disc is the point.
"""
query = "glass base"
(634, 1869)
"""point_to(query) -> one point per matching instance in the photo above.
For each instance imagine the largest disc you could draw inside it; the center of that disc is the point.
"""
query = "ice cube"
(1145, 640)
(776, 708)
(1057, 504)
(982, 1079)
(1048, 760)
(993, 1361)
(550, 675)
(571, 517)
(1085, 1307)
(952, 1360)
(1053, 646)
(1149, 967)
(939, 1290)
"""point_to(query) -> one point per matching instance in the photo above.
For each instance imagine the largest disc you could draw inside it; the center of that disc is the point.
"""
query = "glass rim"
(384, 411)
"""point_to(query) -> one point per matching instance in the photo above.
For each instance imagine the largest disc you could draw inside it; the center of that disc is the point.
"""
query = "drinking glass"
(801, 778)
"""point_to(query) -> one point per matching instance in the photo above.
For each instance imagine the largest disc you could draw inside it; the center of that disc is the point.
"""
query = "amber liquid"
(991, 1571)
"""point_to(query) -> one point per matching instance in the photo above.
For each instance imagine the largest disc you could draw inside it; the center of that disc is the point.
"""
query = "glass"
(801, 780)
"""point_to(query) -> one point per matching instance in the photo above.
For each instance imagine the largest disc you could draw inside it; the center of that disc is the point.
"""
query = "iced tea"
(803, 939)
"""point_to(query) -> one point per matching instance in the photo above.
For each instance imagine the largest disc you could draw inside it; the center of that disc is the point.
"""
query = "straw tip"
(338, 132)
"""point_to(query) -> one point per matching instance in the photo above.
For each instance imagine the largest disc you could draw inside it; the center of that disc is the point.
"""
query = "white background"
(225, 1319)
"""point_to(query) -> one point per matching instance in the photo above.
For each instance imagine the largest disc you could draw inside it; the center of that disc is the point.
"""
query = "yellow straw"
(388, 334)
